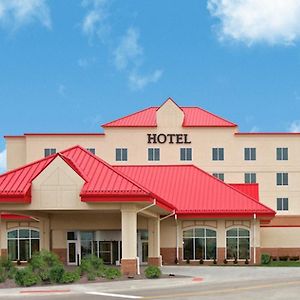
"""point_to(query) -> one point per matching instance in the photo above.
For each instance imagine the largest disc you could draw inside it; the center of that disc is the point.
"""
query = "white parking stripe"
(114, 295)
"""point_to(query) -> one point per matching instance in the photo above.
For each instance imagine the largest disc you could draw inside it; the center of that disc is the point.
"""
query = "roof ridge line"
(212, 114)
(130, 115)
(115, 171)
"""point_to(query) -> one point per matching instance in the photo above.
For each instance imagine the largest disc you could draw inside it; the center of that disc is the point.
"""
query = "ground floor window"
(22, 243)
(199, 243)
(238, 243)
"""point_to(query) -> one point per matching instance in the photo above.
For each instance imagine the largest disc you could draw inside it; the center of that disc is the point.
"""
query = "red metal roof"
(194, 192)
(250, 189)
(193, 117)
(188, 190)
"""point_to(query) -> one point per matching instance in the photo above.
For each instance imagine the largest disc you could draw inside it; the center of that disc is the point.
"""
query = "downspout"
(254, 240)
(177, 241)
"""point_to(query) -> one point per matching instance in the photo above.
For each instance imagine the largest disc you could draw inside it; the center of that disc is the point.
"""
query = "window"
(199, 243)
(237, 243)
(92, 150)
(218, 154)
(282, 154)
(153, 154)
(219, 176)
(22, 243)
(282, 178)
(49, 151)
(121, 154)
(250, 177)
(250, 153)
(185, 153)
(282, 204)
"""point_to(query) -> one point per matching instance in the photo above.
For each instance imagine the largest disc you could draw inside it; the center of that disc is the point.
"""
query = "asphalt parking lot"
(209, 283)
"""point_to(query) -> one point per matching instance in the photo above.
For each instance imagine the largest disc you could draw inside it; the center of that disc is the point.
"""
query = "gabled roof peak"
(193, 117)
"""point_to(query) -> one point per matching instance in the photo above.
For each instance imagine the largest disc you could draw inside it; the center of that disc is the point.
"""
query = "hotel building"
(167, 184)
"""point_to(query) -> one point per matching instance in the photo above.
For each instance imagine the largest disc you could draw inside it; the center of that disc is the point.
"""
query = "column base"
(128, 266)
(220, 255)
(154, 261)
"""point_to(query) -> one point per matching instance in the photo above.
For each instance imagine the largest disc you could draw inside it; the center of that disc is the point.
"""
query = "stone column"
(44, 233)
(3, 238)
(221, 242)
(154, 257)
(129, 240)
(255, 242)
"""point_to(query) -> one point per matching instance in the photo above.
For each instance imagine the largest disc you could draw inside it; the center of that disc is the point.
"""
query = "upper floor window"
(49, 151)
(185, 153)
(121, 154)
(282, 153)
(282, 178)
(220, 176)
(250, 177)
(218, 154)
(92, 150)
(282, 204)
(153, 154)
(250, 153)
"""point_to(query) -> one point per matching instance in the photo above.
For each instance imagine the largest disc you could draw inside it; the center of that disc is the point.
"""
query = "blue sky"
(69, 66)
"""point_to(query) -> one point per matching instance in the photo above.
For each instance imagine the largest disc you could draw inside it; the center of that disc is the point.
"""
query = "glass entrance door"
(72, 252)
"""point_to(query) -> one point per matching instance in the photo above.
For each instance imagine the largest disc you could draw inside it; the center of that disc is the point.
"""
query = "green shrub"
(41, 263)
(8, 269)
(91, 276)
(3, 274)
(69, 277)
(26, 277)
(112, 273)
(265, 258)
(91, 263)
(152, 272)
(56, 273)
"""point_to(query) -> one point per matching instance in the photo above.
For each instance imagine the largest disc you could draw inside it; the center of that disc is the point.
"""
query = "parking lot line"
(115, 295)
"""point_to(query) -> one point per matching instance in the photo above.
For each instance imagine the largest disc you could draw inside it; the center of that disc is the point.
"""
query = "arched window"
(199, 243)
(22, 243)
(238, 243)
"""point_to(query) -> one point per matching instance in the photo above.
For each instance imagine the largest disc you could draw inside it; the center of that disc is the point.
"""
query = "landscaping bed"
(45, 268)
(280, 261)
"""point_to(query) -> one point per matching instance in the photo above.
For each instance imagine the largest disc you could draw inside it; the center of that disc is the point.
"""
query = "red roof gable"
(194, 192)
(193, 117)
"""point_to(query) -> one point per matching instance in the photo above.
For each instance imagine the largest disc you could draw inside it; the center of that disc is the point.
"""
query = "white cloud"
(129, 50)
(16, 13)
(94, 22)
(128, 56)
(86, 62)
(3, 161)
(138, 82)
(295, 126)
(251, 21)
(127, 53)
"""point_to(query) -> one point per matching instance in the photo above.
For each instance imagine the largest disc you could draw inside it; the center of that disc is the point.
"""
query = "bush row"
(267, 258)
(45, 267)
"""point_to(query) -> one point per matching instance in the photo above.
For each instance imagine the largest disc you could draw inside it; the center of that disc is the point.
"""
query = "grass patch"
(283, 264)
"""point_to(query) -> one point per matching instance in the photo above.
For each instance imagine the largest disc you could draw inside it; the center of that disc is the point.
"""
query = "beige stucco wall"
(280, 237)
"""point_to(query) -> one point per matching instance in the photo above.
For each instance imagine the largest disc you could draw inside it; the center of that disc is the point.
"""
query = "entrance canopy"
(183, 189)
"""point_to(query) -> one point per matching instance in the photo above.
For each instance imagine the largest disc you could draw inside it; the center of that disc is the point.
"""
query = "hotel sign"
(170, 138)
